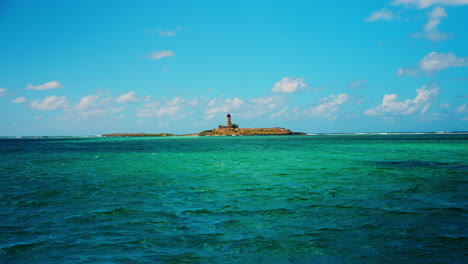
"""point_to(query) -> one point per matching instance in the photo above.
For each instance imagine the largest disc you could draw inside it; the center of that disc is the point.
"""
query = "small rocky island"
(249, 132)
(229, 129)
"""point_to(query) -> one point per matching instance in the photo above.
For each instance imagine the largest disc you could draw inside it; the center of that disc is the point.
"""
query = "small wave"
(275, 212)
(446, 209)
(117, 212)
(229, 224)
(21, 247)
(198, 212)
(408, 164)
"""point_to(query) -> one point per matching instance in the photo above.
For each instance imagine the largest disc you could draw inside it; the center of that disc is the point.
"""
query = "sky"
(96, 67)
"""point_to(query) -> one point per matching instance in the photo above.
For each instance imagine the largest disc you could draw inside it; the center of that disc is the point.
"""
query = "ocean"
(251, 199)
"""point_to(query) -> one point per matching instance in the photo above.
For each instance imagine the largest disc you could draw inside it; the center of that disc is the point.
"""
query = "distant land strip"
(138, 135)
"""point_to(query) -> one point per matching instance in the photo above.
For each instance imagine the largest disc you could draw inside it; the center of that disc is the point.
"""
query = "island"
(229, 129)
(249, 132)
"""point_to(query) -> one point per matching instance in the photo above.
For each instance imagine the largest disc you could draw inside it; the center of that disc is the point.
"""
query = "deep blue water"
(277, 199)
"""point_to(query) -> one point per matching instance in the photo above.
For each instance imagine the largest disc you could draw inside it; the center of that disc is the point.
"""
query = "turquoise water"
(277, 199)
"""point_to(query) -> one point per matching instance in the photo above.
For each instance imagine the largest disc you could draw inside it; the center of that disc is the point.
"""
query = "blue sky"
(95, 67)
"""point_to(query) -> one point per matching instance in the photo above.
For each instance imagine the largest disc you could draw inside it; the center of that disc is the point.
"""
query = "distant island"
(229, 129)
(138, 135)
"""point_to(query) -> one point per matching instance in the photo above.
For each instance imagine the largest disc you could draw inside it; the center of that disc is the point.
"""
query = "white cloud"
(407, 72)
(128, 97)
(226, 106)
(19, 100)
(167, 107)
(45, 86)
(280, 113)
(436, 13)
(161, 54)
(427, 3)
(117, 109)
(85, 115)
(382, 14)
(445, 105)
(289, 85)
(391, 105)
(328, 106)
(433, 35)
(438, 61)
(50, 103)
(270, 101)
(92, 106)
(3, 91)
(168, 33)
(425, 93)
(87, 102)
(358, 84)
(430, 28)
(462, 109)
(434, 62)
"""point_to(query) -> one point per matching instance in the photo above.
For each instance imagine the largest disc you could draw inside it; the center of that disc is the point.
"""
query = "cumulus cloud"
(438, 61)
(358, 84)
(168, 33)
(445, 105)
(91, 107)
(289, 85)
(431, 31)
(50, 103)
(87, 102)
(161, 54)
(269, 101)
(166, 107)
(19, 100)
(328, 105)
(434, 62)
(45, 86)
(392, 106)
(382, 14)
(427, 3)
(462, 109)
(407, 72)
(223, 106)
(3, 91)
(128, 97)
(96, 106)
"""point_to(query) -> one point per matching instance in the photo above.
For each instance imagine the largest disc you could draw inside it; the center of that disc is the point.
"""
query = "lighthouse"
(228, 120)
(229, 123)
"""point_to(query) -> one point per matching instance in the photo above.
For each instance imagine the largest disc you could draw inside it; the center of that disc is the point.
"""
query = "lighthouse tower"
(228, 120)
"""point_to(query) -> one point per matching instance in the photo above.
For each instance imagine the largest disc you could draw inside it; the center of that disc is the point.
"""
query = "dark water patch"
(408, 164)
(20, 248)
(198, 212)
